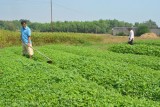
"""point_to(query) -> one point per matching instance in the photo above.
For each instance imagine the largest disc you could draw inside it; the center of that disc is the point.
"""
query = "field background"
(88, 70)
(11, 38)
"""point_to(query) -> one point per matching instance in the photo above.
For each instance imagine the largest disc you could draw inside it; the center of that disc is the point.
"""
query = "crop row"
(127, 79)
(137, 49)
(140, 60)
(27, 82)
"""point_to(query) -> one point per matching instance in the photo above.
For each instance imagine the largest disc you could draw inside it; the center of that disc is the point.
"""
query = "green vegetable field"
(99, 75)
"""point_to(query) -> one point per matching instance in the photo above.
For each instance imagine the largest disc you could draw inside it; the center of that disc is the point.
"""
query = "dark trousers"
(130, 42)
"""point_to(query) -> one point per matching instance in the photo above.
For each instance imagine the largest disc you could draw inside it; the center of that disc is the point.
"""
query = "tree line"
(99, 26)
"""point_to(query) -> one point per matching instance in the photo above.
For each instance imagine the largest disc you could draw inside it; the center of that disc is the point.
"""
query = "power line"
(80, 13)
(65, 7)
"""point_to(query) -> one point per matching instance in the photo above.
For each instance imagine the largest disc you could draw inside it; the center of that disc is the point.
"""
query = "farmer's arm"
(29, 37)
(131, 36)
(29, 40)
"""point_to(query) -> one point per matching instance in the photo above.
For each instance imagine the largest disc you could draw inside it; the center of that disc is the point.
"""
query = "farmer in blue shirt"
(26, 39)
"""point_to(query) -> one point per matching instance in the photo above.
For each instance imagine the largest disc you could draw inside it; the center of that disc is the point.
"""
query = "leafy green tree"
(10, 26)
(142, 29)
(98, 26)
(136, 24)
(151, 24)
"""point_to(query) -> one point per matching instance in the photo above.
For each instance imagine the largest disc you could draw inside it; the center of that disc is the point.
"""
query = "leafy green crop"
(107, 71)
(80, 76)
(137, 49)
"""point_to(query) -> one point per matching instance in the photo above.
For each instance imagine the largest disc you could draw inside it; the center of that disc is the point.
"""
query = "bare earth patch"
(109, 39)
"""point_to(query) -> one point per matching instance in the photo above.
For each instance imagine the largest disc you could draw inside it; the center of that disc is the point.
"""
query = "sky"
(81, 10)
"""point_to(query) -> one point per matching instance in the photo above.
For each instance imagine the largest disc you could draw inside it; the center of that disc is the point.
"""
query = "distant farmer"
(131, 36)
(26, 40)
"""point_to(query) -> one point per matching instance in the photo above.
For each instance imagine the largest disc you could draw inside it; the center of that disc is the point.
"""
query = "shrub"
(121, 34)
(142, 29)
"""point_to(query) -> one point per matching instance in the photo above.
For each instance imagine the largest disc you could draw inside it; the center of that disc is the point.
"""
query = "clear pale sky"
(81, 10)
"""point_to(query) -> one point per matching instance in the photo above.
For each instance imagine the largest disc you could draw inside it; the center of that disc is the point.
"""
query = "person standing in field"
(131, 36)
(26, 40)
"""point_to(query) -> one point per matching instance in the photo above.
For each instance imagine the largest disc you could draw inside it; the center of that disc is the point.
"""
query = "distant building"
(123, 31)
(156, 31)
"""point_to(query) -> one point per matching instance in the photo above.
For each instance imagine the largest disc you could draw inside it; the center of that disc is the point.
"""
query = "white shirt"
(131, 35)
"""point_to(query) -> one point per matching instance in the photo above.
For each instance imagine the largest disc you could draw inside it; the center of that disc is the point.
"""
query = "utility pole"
(51, 18)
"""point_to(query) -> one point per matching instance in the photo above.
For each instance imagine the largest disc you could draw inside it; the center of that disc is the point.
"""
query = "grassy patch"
(8, 38)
